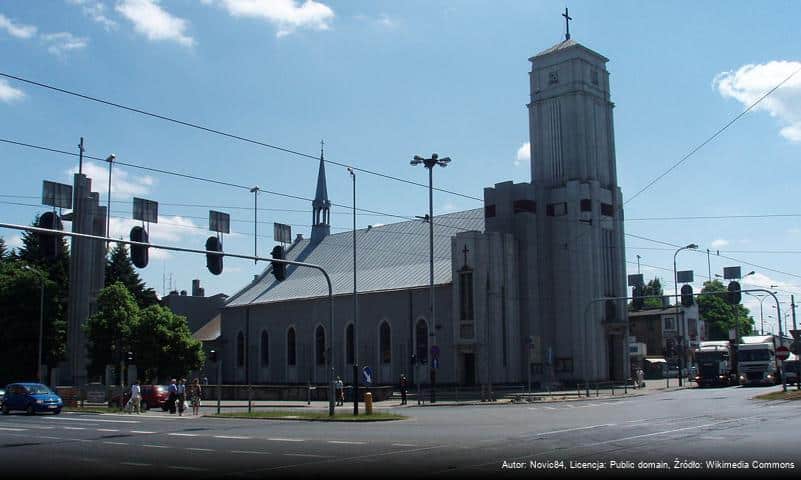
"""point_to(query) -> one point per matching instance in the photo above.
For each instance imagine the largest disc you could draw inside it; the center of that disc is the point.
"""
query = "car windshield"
(754, 355)
(38, 390)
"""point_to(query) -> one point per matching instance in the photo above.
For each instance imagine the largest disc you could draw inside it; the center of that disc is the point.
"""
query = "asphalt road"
(692, 425)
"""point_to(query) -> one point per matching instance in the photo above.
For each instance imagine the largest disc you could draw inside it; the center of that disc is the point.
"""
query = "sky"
(381, 81)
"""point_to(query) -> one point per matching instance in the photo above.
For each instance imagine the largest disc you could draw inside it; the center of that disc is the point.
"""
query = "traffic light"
(130, 357)
(213, 356)
(637, 301)
(139, 253)
(413, 360)
(686, 296)
(214, 262)
(279, 269)
(49, 242)
(611, 311)
(734, 297)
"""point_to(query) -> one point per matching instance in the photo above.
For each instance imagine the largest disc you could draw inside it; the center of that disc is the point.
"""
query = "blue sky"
(381, 81)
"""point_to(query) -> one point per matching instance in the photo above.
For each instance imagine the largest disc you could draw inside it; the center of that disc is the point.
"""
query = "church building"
(521, 285)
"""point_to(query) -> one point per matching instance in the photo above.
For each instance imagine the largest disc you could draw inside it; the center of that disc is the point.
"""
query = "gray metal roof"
(564, 45)
(389, 257)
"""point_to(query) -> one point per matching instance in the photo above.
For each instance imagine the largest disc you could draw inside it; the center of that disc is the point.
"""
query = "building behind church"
(520, 284)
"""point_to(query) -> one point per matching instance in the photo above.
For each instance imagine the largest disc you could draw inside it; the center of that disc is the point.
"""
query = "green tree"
(20, 296)
(164, 346)
(4, 253)
(111, 330)
(119, 268)
(719, 316)
(654, 287)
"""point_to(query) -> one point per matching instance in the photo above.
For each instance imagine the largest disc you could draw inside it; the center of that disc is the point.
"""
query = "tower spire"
(321, 215)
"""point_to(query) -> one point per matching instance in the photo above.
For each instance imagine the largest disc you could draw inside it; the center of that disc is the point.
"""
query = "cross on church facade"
(465, 251)
(568, 18)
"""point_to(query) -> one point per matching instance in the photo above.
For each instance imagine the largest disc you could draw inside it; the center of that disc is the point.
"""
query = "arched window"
(385, 343)
(240, 349)
(421, 340)
(349, 345)
(290, 347)
(319, 342)
(265, 349)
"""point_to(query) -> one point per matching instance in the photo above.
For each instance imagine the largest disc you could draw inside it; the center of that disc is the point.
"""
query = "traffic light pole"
(207, 252)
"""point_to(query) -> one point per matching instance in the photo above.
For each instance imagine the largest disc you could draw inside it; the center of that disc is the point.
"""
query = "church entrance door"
(468, 369)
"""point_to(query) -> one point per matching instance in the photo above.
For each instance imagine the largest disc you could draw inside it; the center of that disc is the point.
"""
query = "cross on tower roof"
(568, 18)
(465, 251)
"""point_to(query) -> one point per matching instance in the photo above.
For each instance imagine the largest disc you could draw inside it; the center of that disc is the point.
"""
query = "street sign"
(684, 276)
(435, 363)
(782, 353)
(57, 195)
(731, 273)
(282, 233)
(145, 210)
(635, 280)
(219, 222)
(435, 351)
(367, 375)
(795, 347)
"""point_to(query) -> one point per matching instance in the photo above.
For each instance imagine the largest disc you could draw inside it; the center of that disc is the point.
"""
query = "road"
(692, 425)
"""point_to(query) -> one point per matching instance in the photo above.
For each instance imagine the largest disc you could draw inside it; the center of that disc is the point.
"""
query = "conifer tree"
(119, 268)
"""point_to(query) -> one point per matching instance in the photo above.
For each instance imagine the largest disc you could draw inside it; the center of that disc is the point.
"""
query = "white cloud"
(750, 82)
(287, 15)
(719, 243)
(523, 154)
(383, 20)
(154, 22)
(14, 242)
(95, 10)
(16, 29)
(123, 185)
(8, 93)
(62, 42)
(169, 230)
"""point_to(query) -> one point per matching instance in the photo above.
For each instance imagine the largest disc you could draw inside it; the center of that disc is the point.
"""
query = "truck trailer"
(715, 364)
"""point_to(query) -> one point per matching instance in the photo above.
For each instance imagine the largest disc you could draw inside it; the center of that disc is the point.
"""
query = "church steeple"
(321, 215)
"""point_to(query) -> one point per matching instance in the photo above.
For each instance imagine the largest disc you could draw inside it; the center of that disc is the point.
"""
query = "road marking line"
(141, 431)
(234, 437)
(285, 439)
(194, 469)
(200, 449)
(551, 408)
(250, 452)
(344, 442)
(183, 434)
(107, 430)
(638, 421)
(661, 433)
(136, 464)
(573, 429)
(14, 429)
(403, 445)
(155, 446)
(73, 428)
(115, 443)
(307, 455)
(92, 420)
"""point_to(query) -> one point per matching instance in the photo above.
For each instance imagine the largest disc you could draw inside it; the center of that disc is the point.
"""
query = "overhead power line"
(222, 133)
(715, 135)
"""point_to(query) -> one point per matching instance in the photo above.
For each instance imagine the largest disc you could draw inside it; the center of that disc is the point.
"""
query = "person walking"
(404, 385)
(181, 393)
(136, 398)
(340, 388)
(195, 394)
(172, 390)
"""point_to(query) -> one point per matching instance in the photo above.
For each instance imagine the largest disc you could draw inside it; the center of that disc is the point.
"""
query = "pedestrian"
(172, 390)
(340, 387)
(181, 394)
(194, 396)
(404, 385)
(136, 398)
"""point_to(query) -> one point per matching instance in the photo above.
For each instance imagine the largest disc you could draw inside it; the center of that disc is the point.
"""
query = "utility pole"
(255, 192)
(355, 308)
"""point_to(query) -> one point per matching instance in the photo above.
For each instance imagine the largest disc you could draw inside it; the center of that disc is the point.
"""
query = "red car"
(153, 396)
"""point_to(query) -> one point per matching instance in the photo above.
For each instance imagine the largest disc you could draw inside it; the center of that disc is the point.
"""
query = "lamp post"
(39, 373)
(355, 307)
(429, 164)
(761, 313)
(676, 301)
(110, 159)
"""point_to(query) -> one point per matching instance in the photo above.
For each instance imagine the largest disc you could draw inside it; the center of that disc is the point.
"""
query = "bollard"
(596, 390)
(613, 389)
(626, 387)
(368, 403)
(578, 390)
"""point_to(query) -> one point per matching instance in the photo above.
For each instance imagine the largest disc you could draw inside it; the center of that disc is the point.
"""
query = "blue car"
(31, 398)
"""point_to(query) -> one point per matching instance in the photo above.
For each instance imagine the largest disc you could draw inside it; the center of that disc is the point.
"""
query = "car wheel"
(144, 406)
(30, 410)
(56, 411)
(6, 410)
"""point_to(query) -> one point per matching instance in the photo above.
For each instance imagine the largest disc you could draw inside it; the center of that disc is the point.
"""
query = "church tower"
(321, 206)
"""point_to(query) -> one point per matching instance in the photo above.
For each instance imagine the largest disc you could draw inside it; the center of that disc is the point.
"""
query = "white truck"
(756, 360)
(715, 363)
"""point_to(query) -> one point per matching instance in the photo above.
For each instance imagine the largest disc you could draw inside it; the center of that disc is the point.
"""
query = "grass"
(313, 416)
(791, 394)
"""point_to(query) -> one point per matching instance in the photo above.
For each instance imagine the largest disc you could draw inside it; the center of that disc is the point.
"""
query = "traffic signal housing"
(279, 268)
(637, 302)
(49, 242)
(214, 262)
(139, 253)
(686, 296)
(734, 297)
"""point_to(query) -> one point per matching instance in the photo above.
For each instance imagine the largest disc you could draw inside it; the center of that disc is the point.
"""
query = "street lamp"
(39, 373)
(761, 315)
(355, 307)
(429, 164)
(110, 159)
(691, 246)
